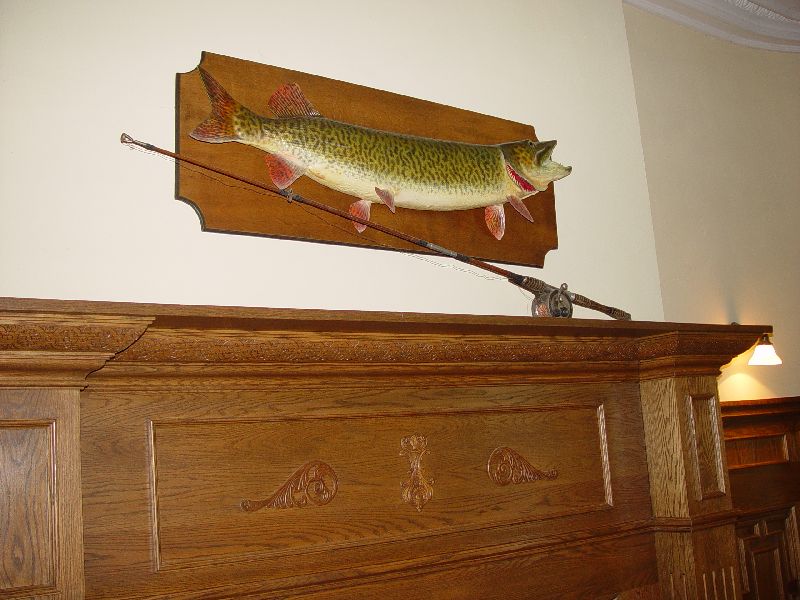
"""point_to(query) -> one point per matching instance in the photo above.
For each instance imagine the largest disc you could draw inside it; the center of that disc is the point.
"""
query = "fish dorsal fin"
(289, 101)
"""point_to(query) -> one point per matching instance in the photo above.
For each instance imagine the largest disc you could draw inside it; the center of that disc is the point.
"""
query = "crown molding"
(765, 24)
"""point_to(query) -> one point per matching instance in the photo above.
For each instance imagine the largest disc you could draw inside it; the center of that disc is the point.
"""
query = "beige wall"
(83, 217)
(720, 128)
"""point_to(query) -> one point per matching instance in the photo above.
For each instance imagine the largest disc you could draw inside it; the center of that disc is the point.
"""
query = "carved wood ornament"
(315, 483)
(418, 490)
(508, 466)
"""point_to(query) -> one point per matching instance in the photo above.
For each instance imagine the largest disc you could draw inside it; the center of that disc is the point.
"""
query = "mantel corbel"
(696, 353)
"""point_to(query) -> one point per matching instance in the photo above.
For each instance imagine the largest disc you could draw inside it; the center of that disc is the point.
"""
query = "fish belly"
(420, 173)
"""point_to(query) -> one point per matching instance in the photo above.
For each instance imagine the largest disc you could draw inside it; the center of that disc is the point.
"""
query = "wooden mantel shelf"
(92, 334)
(266, 453)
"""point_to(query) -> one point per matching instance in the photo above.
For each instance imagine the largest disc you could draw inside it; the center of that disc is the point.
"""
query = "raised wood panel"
(768, 551)
(706, 446)
(205, 470)
(757, 450)
(165, 476)
(41, 549)
(27, 468)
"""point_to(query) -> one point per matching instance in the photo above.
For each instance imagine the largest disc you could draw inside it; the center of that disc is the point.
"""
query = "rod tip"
(126, 139)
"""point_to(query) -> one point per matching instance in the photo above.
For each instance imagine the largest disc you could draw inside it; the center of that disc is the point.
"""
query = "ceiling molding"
(765, 24)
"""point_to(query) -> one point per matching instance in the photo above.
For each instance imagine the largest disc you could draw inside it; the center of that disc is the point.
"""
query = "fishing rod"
(549, 301)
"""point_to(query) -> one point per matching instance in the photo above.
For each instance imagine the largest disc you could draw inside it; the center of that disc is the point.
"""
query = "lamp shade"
(764, 354)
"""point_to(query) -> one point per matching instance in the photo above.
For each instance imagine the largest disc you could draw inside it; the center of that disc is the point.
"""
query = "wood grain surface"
(41, 524)
(232, 207)
(763, 448)
(399, 424)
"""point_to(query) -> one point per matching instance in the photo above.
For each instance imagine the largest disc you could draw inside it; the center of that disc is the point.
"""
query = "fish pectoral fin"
(282, 171)
(496, 220)
(360, 209)
(520, 207)
(289, 101)
(386, 197)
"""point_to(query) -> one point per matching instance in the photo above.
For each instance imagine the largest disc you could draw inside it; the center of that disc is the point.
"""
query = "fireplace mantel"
(184, 452)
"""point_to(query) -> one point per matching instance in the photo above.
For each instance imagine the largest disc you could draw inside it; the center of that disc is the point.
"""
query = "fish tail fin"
(219, 126)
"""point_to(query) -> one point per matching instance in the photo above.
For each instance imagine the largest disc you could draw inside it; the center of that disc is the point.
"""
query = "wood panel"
(214, 466)
(231, 207)
(27, 466)
(762, 445)
(41, 549)
(204, 454)
(768, 549)
(705, 441)
(757, 450)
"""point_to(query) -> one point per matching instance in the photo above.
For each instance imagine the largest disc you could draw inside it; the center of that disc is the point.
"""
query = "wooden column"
(694, 522)
(44, 360)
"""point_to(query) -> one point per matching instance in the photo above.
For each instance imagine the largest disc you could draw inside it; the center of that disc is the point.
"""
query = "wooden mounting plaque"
(232, 207)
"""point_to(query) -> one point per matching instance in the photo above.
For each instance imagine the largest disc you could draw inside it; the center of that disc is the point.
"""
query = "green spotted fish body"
(379, 167)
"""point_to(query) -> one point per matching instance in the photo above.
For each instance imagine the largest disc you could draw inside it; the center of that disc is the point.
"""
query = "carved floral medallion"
(315, 483)
(418, 489)
(507, 466)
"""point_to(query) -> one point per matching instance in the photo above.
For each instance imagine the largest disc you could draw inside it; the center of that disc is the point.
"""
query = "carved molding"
(315, 483)
(507, 466)
(60, 350)
(246, 344)
(418, 489)
(257, 347)
(49, 332)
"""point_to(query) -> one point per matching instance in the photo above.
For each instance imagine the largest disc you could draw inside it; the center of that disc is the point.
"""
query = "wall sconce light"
(764, 354)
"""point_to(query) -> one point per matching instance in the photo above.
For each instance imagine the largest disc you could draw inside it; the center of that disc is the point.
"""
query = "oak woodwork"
(761, 438)
(41, 547)
(317, 419)
(229, 206)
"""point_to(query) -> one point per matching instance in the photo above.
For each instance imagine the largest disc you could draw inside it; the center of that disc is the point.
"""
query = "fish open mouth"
(521, 182)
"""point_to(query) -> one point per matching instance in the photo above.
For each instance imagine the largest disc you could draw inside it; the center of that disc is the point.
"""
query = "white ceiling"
(768, 24)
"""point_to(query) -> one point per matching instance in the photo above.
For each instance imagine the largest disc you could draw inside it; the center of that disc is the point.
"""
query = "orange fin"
(219, 126)
(360, 209)
(289, 101)
(283, 172)
(386, 197)
(520, 207)
(496, 220)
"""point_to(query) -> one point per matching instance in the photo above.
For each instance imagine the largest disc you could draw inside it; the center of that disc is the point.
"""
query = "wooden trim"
(732, 409)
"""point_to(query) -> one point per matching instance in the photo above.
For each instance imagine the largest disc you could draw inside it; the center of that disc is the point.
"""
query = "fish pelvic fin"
(283, 172)
(220, 126)
(289, 101)
(360, 209)
(520, 207)
(386, 197)
(496, 220)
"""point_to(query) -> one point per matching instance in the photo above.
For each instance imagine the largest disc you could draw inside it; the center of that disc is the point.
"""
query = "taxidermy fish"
(379, 167)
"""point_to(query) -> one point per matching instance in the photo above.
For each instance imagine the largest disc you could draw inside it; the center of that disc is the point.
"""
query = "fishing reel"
(555, 302)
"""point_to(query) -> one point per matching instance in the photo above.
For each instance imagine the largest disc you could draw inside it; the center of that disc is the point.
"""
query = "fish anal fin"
(289, 101)
(386, 197)
(360, 209)
(496, 220)
(283, 172)
(520, 207)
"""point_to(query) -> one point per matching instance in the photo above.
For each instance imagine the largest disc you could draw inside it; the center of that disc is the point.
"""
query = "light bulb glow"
(764, 354)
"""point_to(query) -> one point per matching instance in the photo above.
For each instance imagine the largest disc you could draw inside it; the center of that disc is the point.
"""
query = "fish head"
(531, 162)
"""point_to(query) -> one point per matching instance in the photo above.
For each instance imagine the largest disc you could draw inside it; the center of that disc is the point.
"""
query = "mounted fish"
(380, 167)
